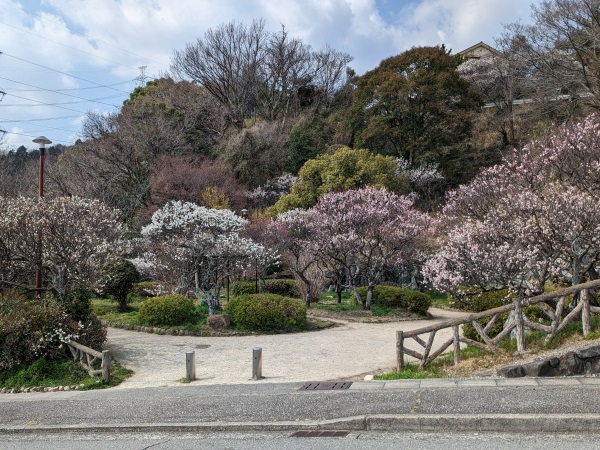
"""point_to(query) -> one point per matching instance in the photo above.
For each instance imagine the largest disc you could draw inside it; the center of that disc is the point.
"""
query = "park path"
(347, 351)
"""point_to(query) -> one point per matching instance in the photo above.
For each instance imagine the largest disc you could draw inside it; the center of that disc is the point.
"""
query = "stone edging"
(27, 390)
(170, 331)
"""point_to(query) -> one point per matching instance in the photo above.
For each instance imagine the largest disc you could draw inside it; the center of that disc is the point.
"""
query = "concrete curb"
(500, 423)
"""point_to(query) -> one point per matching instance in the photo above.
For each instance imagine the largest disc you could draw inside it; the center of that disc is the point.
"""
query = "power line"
(56, 92)
(33, 136)
(42, 104)
(3, 120)
(63, 73)
(72, 89)
(65, 45)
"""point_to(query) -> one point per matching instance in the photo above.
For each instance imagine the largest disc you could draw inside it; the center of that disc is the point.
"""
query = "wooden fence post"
(585, 313)
(106, 365)
(520, 325)
(456, 343)
(399, 351)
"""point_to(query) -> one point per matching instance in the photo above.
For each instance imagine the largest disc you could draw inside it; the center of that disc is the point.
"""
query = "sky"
(62, 58)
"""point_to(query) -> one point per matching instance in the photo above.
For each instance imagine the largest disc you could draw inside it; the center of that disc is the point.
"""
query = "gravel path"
(348, 351)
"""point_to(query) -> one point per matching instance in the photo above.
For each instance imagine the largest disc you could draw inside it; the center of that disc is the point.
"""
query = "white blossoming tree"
(198, 249)
(73, 237)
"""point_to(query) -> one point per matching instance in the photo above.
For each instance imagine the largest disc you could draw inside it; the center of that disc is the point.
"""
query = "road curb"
(500, 423)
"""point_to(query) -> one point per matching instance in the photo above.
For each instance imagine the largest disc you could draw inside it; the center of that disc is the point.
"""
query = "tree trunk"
(367, 306)
(308, 289)
(357, 297)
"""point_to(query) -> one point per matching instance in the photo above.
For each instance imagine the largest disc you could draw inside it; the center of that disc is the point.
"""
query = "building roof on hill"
(480, 50)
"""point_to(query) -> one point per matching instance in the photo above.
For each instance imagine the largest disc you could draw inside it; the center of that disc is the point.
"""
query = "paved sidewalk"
(348, 351)
(458, 405)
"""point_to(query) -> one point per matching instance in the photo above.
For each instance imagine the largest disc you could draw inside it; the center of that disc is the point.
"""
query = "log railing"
(424, 337)
(90, 359)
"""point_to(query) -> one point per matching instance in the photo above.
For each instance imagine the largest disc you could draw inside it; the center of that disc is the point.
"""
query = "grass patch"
(413, 372)
(439, 299)
(349, 308)
(43, 373)
(107, 310)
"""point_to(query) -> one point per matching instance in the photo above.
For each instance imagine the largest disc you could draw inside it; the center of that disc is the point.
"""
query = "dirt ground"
(350, 350)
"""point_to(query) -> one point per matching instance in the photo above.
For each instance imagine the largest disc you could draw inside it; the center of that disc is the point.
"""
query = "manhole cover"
(326, 386)
(323, 433)
(202, 346)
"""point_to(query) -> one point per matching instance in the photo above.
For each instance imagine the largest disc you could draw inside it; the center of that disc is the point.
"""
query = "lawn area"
(328, 306)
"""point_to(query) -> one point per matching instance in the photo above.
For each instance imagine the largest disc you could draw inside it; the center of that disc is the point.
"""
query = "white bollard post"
(190, 365)
(257, 363)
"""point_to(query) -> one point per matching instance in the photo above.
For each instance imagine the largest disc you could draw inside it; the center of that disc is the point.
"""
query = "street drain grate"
(326, 386)
(323, 433)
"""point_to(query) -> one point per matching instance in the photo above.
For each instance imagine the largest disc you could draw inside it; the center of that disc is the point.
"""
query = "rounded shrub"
(396, 297)
(119, 276)
(167, 310)
(285, 287)
(267, 312)
(242, 287)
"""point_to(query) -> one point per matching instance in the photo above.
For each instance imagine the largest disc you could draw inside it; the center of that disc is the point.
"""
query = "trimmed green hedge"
(267, 312)
(397, 297)
(483, 302)
(167, 310)
(285, 287)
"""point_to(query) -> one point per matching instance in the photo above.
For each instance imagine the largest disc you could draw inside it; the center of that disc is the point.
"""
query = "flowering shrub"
(30, 329)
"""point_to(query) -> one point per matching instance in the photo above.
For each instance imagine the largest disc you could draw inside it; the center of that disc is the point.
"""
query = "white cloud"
(106, 41)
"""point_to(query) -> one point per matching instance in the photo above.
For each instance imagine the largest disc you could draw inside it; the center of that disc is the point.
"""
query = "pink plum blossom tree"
(532, 217)
(362, 231)
(294, 232)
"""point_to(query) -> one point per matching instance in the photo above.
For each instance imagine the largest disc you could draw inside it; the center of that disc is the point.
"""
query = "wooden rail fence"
(89, 358)
(425, 336)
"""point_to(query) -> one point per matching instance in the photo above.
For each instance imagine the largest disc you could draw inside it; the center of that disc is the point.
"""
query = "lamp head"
(42, 140)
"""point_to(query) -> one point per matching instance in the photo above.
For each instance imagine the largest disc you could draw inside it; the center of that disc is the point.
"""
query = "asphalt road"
(279, 440)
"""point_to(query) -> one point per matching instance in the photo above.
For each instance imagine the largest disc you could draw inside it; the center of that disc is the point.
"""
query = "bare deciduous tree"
(562, 46)
(226, 62)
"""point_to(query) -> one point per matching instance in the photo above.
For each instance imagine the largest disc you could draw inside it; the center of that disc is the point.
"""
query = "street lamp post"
(42, 141)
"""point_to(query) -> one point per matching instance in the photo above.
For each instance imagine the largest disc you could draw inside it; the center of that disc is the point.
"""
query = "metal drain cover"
(320, 433)
(326, 386)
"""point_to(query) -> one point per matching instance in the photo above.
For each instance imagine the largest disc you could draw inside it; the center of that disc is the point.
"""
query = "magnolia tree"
(363, 231)
(72, 237)
(198, 249)
(533, 217)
